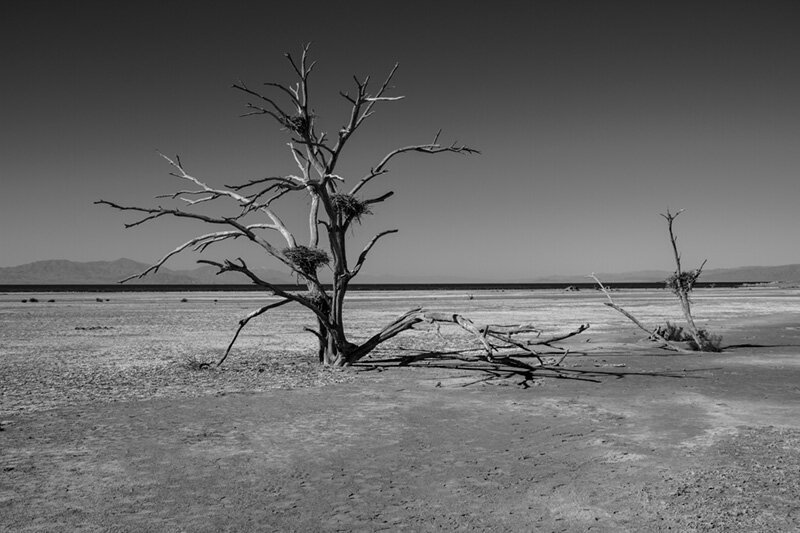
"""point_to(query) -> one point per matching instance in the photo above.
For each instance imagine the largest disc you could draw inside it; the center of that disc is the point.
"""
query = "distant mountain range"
(63, 272)
(740, 274)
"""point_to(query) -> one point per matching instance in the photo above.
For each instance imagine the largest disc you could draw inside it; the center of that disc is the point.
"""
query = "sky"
(591, 118)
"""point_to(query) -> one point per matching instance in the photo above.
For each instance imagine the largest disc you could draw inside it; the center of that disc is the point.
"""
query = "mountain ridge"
(745, 274)
(66, 272)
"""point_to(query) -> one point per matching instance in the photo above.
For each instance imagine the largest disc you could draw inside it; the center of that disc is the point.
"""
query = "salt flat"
(105, 427)
(132, 336)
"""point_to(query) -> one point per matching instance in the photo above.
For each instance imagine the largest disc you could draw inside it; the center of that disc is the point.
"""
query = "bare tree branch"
(202, 240)
(362, 106)
(313, 220)
(230, 266)
(235, 196)
(363, 255)
(432, 148)
(243, 322)
(286, 180)
(379, 199)
(278, 114)
(556, 338)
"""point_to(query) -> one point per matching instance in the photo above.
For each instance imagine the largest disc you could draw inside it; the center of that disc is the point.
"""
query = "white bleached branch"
(245, 201)
(431, 148)
(363, 255)
(197, 241)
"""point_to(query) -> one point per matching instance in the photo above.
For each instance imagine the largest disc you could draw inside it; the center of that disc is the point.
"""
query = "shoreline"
(580, 286)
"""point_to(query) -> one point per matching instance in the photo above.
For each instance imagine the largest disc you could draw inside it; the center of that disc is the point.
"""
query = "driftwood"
(498, 342)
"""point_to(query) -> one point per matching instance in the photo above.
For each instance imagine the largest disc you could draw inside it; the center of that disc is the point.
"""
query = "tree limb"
(243, 322)
(230, 266)
(233, 195)
(363, 255)
(201, 240)
(278, 114)
(432, 148)
(358, 113)
(480, 333)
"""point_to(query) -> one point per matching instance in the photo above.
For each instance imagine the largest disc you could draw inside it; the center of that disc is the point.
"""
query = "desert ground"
(107, 424)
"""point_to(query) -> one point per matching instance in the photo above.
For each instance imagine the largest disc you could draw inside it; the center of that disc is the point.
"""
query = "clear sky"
(592, 118)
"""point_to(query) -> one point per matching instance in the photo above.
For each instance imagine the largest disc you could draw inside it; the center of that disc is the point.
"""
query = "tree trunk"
(323, 341)
(687, 314)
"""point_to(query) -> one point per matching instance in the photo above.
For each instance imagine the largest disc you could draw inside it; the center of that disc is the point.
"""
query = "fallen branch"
(653, 334)
(494, 342)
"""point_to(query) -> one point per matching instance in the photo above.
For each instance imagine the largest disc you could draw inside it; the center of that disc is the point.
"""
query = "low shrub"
(710, 342)
(673, 332)
(191, 362)
(676, 333)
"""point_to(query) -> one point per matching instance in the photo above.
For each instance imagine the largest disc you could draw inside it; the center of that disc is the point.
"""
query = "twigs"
(431, 148)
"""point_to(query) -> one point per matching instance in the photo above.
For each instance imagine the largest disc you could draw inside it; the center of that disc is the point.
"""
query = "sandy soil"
(644, 441)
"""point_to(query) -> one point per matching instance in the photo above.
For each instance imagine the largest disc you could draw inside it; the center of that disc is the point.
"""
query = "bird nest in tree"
(350, 206)
(298, 124)
(306, 260)
(683, 282)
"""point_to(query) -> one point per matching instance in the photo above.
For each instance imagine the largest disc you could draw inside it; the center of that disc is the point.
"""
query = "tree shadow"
(751, 345)
(519, 372)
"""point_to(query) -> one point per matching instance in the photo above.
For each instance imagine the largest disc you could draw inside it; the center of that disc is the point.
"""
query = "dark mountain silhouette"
(740, 274)
(754, 273)
(63, 272)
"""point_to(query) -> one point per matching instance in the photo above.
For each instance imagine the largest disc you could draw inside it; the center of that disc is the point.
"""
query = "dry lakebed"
(107, 424)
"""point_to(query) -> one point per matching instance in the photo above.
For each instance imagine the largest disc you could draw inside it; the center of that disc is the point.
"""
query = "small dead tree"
(653, 334)
(681, 283)
(333, 209)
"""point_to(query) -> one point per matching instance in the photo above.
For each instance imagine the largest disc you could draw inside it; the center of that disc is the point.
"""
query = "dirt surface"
(643, 441)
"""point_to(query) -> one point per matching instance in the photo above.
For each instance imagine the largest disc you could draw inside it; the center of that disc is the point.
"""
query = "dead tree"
(333, 209)
(653, 334)
(681, 284)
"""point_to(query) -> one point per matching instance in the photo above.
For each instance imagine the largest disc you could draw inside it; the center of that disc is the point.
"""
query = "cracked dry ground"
(663, 443)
